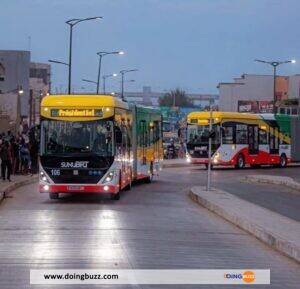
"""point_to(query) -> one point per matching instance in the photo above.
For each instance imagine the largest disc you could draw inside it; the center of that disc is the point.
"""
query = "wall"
(16, 73)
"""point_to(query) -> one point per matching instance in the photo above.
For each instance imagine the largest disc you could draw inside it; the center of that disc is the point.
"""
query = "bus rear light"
(106, 188)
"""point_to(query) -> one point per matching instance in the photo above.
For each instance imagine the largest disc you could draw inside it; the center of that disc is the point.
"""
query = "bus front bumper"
(78, 188)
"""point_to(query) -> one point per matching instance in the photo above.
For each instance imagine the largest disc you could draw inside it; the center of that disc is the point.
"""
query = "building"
(255, 93)
(149, 97)
(39, 84)
(22, 83)
(14, 76)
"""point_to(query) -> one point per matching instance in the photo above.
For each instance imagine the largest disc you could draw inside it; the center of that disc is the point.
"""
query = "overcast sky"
(192, 44)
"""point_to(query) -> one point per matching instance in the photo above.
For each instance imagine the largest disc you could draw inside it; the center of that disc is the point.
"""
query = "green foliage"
(177, 98)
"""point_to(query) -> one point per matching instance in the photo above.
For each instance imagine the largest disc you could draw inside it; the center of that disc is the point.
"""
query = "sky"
(191, 44)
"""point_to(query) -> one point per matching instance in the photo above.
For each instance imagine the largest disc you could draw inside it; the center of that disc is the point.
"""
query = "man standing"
(6, 158)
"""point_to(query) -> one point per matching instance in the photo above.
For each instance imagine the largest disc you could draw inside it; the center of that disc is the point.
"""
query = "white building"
(252, 91)
(14, 75)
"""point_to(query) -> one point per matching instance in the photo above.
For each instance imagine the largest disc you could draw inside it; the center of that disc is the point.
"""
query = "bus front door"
(253, 139)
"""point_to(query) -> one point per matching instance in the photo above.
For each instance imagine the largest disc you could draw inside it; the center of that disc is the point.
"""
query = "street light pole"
(208, 184)
(274, 64)
(70, 60)
(101, 54)
(72, 23)
(122, 80)
(104, 80)
(90, 81)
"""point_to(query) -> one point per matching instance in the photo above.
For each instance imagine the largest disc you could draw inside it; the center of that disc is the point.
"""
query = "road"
(153, 226)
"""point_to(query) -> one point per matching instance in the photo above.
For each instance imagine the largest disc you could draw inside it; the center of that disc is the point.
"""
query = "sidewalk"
(277, 231)
(17, 181)
(276, 180)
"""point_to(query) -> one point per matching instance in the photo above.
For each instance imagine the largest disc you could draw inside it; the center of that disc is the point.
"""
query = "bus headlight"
(216, 158)
(108, 177)
(44, 178)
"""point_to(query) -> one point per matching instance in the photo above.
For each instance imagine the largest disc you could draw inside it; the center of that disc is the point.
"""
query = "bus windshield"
(64, 137)
(198, 134)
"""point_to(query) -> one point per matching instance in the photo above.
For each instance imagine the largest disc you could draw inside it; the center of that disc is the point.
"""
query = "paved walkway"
(16, 182)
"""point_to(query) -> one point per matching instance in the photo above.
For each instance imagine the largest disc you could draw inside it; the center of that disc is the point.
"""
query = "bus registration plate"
(75, 188)
(202, 148)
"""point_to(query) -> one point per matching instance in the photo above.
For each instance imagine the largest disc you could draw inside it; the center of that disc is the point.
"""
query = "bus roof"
(221, 115)
(83, 100)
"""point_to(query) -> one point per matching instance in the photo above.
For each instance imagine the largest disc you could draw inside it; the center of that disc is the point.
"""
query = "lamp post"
(274, 64)
(107, 76)
(58, 62)
(122, 72)
(72, 23)
(102, 54)
(208, 184)
(90, 81)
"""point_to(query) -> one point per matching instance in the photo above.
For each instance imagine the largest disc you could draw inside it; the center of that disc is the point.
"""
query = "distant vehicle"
(97, 144)
(241, 139)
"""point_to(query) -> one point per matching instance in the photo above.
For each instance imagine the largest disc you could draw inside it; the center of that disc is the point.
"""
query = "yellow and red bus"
(97, 144)
(242, 139)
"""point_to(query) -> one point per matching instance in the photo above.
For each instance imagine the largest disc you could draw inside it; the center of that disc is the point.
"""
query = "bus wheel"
(283, 161)
(240, 162)
(53, 196)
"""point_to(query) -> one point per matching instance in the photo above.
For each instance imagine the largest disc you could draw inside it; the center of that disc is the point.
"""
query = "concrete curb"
(276, 180)
(260, 230)
(16, 185)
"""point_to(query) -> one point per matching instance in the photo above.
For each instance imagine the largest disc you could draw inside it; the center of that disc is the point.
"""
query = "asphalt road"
(153, 226)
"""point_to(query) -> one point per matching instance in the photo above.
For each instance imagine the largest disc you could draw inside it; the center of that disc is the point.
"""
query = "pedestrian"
(6, 160)
(25, 157)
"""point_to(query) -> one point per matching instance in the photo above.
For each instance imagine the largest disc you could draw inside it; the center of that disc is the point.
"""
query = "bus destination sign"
(76, 112)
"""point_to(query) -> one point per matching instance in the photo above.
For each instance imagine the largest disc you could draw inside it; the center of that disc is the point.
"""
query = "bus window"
(282, 110)
(294, 111)
(227, 134)
(241, 134)
(274, 144)
(263, 137)
(199, 134)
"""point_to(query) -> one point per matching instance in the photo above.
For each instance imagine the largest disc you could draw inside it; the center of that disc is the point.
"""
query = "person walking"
(6, 161)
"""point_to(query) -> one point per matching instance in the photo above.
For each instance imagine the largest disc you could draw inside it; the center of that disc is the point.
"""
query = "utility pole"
(208, 184)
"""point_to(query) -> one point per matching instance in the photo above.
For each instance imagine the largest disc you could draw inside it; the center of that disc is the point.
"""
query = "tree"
(175, 97)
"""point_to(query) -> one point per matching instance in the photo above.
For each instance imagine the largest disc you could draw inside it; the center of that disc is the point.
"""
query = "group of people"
(18, 153)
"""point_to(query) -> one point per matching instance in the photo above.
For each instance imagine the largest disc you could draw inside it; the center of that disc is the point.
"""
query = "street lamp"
(274, 64)
(122, 80)
(101, 54)
(72, 23)
(104, 79)
(90, 81)
(58, 62)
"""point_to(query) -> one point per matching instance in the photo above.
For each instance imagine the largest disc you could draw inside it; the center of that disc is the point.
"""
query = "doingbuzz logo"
(247, 276)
